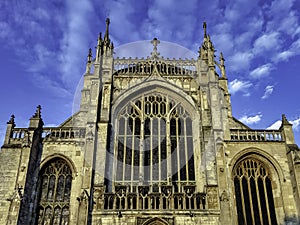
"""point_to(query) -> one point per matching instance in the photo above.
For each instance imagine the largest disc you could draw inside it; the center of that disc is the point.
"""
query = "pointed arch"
(55, 182)
(59, 155)
(155, 221)
(256, 180)
(156, 85)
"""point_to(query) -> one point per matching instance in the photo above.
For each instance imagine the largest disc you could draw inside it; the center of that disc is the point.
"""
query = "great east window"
(153, 144)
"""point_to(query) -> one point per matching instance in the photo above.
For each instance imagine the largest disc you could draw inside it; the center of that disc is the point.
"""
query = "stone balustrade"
(255, 135)
(143, 199)
(63, 133)
(146, 67)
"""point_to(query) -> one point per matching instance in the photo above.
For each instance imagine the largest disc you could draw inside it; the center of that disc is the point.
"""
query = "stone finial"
(37, 113)
(100, 39)
(222, 60)
(155, 43)
(90, 56)
(284, 120)
(12, 120)
(106, 36)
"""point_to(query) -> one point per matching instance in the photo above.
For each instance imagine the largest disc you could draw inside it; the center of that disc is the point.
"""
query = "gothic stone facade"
(154, 142)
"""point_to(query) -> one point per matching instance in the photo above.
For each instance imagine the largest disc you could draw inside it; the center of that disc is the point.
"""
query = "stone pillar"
(31, 158)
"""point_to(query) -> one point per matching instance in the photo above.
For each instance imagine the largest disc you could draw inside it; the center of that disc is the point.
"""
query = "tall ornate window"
(153, 143)
(54, 199)
(253, 192)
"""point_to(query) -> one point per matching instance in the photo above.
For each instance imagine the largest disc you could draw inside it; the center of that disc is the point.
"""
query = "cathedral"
(154, 142)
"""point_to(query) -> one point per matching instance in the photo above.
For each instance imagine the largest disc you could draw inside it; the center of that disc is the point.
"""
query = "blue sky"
(44, 44)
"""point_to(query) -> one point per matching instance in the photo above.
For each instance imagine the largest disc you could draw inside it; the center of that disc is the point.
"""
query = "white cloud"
(296, 124)
(74, 43)
(268, 91)
(266, 42)
(238, 85)
(251, 119)
(240, 61)
(284, 56)
(261, 71)
(275, 126)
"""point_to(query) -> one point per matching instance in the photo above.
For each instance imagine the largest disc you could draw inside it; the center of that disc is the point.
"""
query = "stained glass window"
(153, 142)
(253, 192)
(54, 200)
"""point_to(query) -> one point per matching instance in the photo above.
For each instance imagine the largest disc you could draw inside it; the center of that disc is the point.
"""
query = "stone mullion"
(186, 151)
(159, 149)
(178, 156)
(115, 158)
(151, 148)
(243, 200)
(168, 143)
(267, 199)
(250, 198)
(124, 151)
(132, 155)
(141, 162)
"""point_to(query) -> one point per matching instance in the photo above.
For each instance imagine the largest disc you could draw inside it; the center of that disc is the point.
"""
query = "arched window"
(55, 189)
(153, 143)
(253, 192)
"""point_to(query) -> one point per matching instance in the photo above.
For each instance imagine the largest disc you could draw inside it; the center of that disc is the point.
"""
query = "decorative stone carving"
(98, 197)
(224, 196)
(212, 197)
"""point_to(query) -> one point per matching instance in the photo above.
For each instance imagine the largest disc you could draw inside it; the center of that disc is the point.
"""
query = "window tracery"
(54, 200)
(253, 192)
(154, 141)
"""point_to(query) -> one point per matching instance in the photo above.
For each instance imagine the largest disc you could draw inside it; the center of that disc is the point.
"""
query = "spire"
(100, 39)
(222, 65)
(12, 120)
(90, 56)
(204, 28)
(36, 120)
(37, 113)
(222, 60)
(284, 120)
(106, 36)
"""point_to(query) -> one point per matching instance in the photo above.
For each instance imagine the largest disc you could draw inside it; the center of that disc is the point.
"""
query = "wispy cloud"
(268, 91)
(261, 71)
(238, 85)
(251, 119)
(74, 43)
(266, 42)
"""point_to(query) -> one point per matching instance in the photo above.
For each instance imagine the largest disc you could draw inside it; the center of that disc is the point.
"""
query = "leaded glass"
(56, 180)
(253, 192)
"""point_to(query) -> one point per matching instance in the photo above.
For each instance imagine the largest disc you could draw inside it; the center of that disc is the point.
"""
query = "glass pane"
(51, 188)
(238, 198)
(60, 188)
(271, 201)
(68, 188)
(57, 216)
(60, 180)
